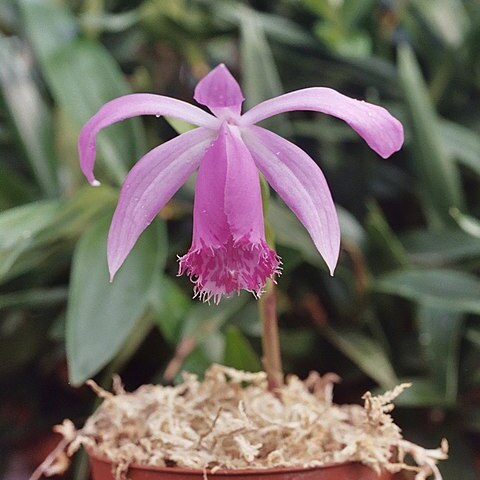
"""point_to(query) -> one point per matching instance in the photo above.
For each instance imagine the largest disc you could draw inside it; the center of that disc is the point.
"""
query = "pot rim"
(233, 471)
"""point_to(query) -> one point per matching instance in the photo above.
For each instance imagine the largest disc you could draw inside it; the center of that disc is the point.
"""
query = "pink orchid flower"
(229, 252)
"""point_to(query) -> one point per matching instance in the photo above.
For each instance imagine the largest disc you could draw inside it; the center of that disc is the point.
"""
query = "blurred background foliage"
(404, 303)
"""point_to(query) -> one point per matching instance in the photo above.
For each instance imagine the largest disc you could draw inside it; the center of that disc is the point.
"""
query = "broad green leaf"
(260, 75)
(467, 223)
(180, 126)
(14, 190)
(36, 233)
(446, 289)
(38, 297)
(278, 28)
(7, 13)
(238, 351)
(385, 248)
(204, 319)
(101, 315)
(438, 177)
(291, 233)
(29, 113)
(82, 77)
(20, 224)
(364, 352)
(20, 228)
(432, 247)
(435, 15)
(50, 25)
(108, 22)
(171, 305)
(462, 143)
(423, 393)
(78, 212)
(440, 335)
(210, 351)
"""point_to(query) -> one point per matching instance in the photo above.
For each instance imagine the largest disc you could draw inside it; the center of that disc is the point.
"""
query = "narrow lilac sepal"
(149, 186)
(382, 132)
(131, 106)
(219, 91)
(301, 185)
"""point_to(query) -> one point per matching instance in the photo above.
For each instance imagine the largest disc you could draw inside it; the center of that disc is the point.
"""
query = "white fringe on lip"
(230, 420)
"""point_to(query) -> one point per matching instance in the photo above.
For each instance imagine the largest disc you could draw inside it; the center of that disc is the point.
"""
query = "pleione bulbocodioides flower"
(229, 251)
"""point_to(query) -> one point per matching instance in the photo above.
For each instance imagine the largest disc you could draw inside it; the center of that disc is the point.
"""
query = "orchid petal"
(220, 92)
(147, 188)
(382, 132)
(228, 199)
(302, 186)
(229, 252)
(131, 106)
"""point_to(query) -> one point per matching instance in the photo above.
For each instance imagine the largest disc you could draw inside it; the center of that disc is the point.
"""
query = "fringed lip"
(229, 268)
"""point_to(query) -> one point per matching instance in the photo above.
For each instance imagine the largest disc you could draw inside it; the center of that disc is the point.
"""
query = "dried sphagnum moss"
(230, 420)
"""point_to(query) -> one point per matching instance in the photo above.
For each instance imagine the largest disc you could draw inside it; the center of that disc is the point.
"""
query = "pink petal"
(148, 187)
(382, 131)
(229, 252)
(131, 106)
(228, 200)
(220, 92)
(302, 186)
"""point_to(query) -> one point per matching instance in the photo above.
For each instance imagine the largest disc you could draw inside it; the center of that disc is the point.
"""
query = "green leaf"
(431, 247)
(440, 335)
(289, 232)
(82, 76)
(260, 75)
(180, 126)
(14, 190)
(78, 212)
(384, 246)
(203, 319)
(20, 228)
(467, 223)
(435, 16)
(50, 25)
(171, 305)
(37, 297)
(462, 143)
(364, 352)
(438, 177)
(423, 393)
(438, 288)
(101, 315)
(30, 115)
(238, 351)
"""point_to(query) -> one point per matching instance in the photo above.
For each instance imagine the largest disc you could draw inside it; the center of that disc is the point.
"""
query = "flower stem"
(267, 306)
(272, 361)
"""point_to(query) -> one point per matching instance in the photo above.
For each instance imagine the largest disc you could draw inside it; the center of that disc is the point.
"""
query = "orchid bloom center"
(227, 269)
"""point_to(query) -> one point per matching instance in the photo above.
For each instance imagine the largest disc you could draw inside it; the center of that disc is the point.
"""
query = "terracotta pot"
(102, 470)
